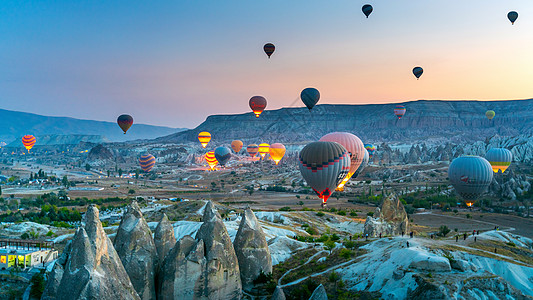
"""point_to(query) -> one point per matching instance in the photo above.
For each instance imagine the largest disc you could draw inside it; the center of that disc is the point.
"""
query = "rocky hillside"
(15, 124)
(424, 120)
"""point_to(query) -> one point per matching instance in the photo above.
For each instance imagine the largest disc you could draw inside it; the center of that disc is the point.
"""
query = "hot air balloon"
(371, 149)
(236, 145)
(252, 149)
(263, 149)
(204, 137)
(362, 166)
(258, 104)
(512, 16)
(310, 97)
(367, 9)
(470, 176)
(276, 151)
(223, 155)
(499, 158)
(147, 162)
(399, 111)
(355, 148)
(323, 166)
(269, 48)
(417, 71)
(28, 141)
(125, 122)
(211, 160)
(490, 114)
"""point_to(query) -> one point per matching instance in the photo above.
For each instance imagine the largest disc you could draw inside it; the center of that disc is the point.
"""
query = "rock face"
(99, 152)
(391, 220)
(205, 268)
(252, 249)
(278, 294)
(164, 237)
(182, 272)
(222, 270)
(90, 268)
(319, 294)
(136, 248)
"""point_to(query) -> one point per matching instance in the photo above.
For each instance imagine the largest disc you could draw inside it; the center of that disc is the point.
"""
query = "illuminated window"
(3, 259)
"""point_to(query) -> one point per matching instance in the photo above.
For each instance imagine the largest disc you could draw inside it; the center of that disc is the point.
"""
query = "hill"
(15, 124)
(435, 120)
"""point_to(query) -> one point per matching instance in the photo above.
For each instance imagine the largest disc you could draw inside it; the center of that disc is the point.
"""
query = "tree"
(108, 173)
(87, 167)
(65, 181)
(120, 172)
(131, 191)
(329, 245)
(444, 230)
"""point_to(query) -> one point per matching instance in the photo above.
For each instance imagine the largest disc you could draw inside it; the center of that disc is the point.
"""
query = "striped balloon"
(277, 151)
(147, 162)
(323, 166)
(223, 155)
(354, 146)
(399, 111)
(499, 158)
(252, 149)
(371, 149)
(364, 163)
(470, 176)
(263, 149)
(204, 137)
(125, 122)
(211, 160)
(28, 141)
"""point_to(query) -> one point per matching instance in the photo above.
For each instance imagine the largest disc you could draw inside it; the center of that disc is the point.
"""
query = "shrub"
(370, 213)
(50, 233)
(341, 213)
(285, 208)
(353, 214)
(345, 253)
(312, 231)
(444, 230)
(349, 244)
(329, 245)
(320, 214)
(25, 236)
(37, 288)
(511, 244)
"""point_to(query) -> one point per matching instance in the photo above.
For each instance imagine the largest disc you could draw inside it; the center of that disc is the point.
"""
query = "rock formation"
(182, 272)
(89, 268)
(391, 219)
(136, 249)
(205, 268)
(164, 237)
(319, 293)
(222, 270)
(278, 294)
(252, 249)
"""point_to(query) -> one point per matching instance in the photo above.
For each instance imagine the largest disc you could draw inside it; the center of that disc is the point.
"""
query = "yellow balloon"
(277, 151)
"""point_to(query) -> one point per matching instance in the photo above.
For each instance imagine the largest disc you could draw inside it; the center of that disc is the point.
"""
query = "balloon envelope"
(490, 114)
(211, 160)
(399, 111)
(223, 155)
(417, 71)
(269, 48)
(204, 137)
(125, 122)
(147, 162)
(28, 141)
(310, 97)
(364, 163)
(470, 176)
(258, 105)
(276, 151)
(367, 9)
(252, 149)
(263, 149)
(323, 166)
(371, 149)
(512, 16)
(499, 158)
(355, 148)
(236, 145)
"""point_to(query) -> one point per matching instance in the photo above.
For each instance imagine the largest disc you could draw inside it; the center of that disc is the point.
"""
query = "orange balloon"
(204, 137)
(236, 145)
(277, 151)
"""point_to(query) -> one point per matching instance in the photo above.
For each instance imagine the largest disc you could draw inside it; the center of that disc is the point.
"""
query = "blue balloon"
(223, 155)
(310, 97)
(470, 176)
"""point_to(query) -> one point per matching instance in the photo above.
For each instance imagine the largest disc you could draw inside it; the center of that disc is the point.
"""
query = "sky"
(174, 63)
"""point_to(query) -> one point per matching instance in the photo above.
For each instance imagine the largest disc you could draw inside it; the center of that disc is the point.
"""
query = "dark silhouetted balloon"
(258, 104)
(269, 49)
(125, 122)
(223, 155)
(512, 16)
(310, 97)
(417, 71)
(367, 9)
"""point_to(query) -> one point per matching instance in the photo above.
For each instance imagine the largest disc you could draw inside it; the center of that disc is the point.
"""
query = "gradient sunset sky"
(175, 62)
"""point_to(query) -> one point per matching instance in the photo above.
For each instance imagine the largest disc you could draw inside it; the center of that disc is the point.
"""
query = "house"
(26, 253)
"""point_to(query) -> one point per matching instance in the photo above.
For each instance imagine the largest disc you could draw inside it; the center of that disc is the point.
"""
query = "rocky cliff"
(390, 219)
(424, 120)
(164, 237)
(89, 268)
(136, 249)
(252, 249)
